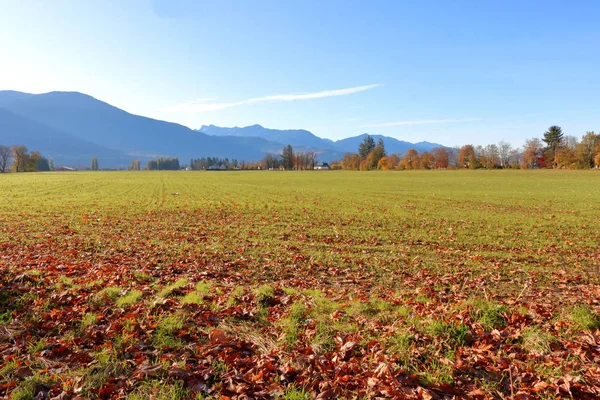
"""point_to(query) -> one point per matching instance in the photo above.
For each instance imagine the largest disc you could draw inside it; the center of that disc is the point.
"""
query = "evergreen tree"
(366, 147)
(94, 164)
(553, 137)
(288, 157)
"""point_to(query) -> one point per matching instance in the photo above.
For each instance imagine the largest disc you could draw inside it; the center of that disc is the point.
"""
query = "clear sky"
(448, 71)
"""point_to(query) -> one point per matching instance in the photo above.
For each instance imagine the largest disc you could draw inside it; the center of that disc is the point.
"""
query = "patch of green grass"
(219, 368)
(323, 341)
(132, 297)
(9, 367)
(291, 324)
(35, 346)
(454, 335)
(423, 299)
(158, 390)
(435, 372)
(298, 311)
(110, 292)
(26, 390)
(237, 292)
(323, 306)
(584, 317)
(203, 287)
(192, 298)
(142, 277)
(88, 319)
(402, 345)
(167, 290)
(535, 339)
(65, 281)
(295, 393)
(264, 295)
(290, 291)
(164, 334)
(487, 313)
(403, 311)
(107, 365)
(94, 283)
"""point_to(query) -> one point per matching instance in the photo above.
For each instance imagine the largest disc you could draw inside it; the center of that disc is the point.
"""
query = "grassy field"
(423, 284)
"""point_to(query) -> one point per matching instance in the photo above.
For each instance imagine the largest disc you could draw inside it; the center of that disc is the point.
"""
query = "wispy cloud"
(206, 105)
(419, 122)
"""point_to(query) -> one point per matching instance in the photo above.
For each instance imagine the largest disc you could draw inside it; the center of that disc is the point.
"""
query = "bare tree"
(5, 156)
(491, 157)
(504, 151)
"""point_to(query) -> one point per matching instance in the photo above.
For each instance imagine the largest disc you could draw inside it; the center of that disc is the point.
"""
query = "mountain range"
(72, 127)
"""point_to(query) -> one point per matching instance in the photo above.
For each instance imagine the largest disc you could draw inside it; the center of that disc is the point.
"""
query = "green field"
(480, 284)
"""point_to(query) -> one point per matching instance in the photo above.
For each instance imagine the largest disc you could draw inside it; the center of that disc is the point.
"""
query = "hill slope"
(74, 126)
(89, 119)
(65, 149)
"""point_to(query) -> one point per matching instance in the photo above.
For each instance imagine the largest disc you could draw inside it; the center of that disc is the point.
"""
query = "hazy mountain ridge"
(307, 140)
(72, 127)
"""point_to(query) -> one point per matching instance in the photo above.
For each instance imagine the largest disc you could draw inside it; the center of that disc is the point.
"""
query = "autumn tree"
(586, 150)
(271, 161)
(5, 156)
(20, 156)
(427, 160)
(532, 153)
(441, 157)
(37, 162)
(351, 161)
(490, 156)
(367, 145)
(411, 160)
(467, 157)
(51, 164)
(564, 157)
(383, 164)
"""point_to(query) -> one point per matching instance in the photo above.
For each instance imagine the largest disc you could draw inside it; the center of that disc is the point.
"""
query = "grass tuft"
(489, 314)
(584, 317)
(535, 340)
(130, 298)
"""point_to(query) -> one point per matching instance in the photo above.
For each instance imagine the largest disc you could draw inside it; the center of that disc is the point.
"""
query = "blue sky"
(452, 72)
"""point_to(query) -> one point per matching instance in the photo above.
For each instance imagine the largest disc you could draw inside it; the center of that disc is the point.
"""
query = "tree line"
(163, 164)
(18, 159)
(290, 160)
(554, 150)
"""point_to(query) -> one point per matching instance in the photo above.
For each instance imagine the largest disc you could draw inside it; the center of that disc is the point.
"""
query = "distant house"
(216, 168)
(323, 166)
(64, 169)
